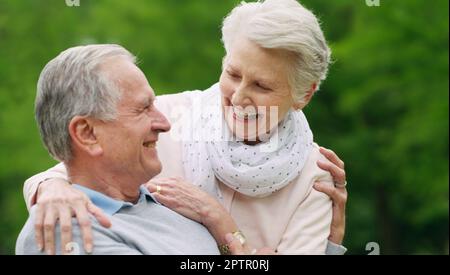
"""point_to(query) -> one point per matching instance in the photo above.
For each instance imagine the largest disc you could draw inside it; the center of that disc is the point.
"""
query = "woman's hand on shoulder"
(57, 201)
(185, 198)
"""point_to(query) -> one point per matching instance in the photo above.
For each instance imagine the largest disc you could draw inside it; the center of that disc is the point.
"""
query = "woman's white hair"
(73, 84)
(284, 25)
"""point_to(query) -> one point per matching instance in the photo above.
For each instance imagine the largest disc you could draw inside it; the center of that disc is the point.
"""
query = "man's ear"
(82, 132)
(306, 98)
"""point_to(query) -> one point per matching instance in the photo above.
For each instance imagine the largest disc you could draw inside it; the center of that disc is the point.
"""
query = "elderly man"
(95, 113)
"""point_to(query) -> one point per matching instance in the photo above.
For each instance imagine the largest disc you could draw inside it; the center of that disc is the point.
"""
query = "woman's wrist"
(337, 236)
(218, 221)
(212, 213)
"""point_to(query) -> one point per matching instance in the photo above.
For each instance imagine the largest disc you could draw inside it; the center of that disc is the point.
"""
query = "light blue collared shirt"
(109, 205)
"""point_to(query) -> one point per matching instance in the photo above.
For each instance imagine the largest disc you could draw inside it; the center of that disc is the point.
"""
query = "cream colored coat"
(295, 220)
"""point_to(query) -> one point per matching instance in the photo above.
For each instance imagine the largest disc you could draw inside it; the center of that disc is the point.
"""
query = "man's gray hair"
(284, 25)
(72, 84)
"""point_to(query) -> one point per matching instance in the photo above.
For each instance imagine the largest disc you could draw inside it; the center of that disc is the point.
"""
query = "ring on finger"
(158, 189)
(342, 185)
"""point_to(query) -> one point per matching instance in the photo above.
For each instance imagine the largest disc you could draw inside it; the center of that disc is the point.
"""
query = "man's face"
(129, 142)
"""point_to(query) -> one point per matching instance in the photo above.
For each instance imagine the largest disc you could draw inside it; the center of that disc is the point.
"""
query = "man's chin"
(153, 171)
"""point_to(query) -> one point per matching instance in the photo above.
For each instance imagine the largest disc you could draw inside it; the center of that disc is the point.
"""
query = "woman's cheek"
(226, 88)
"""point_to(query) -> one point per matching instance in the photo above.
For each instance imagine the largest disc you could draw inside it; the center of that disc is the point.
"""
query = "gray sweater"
(144, 228)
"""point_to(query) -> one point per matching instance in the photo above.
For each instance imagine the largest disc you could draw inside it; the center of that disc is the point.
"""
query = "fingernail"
(89, 248)
(49, 251)
(229, 237)
(40, 247)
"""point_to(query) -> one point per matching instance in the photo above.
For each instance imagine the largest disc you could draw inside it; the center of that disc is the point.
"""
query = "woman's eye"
(234, 75)
(263, 87)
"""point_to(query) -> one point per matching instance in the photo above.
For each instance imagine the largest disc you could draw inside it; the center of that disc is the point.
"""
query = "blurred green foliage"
(383, 109)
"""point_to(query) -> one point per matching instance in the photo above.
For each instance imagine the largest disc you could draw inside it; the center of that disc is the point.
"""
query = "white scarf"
(209, 151)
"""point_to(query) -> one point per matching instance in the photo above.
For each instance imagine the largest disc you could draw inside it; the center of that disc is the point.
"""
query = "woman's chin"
(249, 137)
(242, 130)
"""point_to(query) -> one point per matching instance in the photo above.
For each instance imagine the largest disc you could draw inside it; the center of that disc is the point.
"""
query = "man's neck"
(113, 186)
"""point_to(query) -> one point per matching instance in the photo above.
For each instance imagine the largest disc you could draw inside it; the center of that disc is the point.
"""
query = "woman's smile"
(241, 115)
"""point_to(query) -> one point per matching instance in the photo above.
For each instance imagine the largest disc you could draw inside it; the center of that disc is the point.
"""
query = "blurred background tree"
(383, 109)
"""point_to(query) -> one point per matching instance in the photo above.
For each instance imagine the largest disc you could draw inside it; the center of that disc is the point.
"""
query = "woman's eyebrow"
(265, 81)
(231, 67)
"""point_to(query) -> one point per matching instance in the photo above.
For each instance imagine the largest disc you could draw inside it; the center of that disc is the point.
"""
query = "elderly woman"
(244, 143)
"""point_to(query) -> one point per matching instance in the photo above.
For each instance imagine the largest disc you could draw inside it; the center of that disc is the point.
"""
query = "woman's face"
(253, 80)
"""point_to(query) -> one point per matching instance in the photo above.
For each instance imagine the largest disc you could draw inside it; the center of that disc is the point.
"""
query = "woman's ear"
(299, 105)
(83, 135)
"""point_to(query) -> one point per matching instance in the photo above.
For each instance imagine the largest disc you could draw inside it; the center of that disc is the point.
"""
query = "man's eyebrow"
(146, 101)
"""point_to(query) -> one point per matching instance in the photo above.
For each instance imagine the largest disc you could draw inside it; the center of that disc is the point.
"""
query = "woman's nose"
(240, 97)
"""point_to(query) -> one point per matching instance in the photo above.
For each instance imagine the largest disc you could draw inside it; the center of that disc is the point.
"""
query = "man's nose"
(160, 123)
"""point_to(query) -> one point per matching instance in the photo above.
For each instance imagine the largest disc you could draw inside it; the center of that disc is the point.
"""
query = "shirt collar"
(109, 205)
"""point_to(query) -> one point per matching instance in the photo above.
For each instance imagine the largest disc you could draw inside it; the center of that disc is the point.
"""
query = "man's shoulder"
(26, 241)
